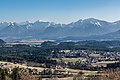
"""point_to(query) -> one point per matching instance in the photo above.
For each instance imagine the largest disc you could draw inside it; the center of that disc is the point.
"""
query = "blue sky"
(60, 11)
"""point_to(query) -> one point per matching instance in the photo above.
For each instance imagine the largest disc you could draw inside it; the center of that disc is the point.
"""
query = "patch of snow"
(48, 24)
(98, 24)
(40, 20)
(12, 23)
(29, 21)
(92, 22)
(53, 23)
(28, 26)
(2, 22)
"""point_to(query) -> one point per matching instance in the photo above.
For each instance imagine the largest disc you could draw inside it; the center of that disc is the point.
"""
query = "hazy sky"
(62, 11)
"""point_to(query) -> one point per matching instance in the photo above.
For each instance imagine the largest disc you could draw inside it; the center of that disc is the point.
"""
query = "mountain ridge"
(50, 30)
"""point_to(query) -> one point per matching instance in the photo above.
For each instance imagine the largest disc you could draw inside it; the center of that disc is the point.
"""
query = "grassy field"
(13, 65)
(66, 70)
(95, 55)
(66, 60)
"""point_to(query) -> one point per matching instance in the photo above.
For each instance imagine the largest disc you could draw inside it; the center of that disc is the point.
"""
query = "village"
(69, 64)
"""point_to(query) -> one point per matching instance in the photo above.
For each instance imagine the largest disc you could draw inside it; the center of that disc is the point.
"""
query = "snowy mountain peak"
(28, 22)
(12, 23)
(40, 20)
(42, 29)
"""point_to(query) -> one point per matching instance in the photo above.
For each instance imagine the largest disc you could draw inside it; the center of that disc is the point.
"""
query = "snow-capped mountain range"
(50, 30)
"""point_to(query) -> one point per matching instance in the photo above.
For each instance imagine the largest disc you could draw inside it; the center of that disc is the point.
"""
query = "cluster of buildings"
(88, 58)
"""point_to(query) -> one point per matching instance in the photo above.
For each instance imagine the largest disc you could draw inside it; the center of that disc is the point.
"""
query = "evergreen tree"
(2, 74)
(15, 74)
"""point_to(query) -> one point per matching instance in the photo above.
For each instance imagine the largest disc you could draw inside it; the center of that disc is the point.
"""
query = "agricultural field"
(66, 60)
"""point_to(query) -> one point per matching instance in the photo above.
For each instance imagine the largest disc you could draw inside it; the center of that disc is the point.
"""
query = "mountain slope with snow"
(50, 30)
